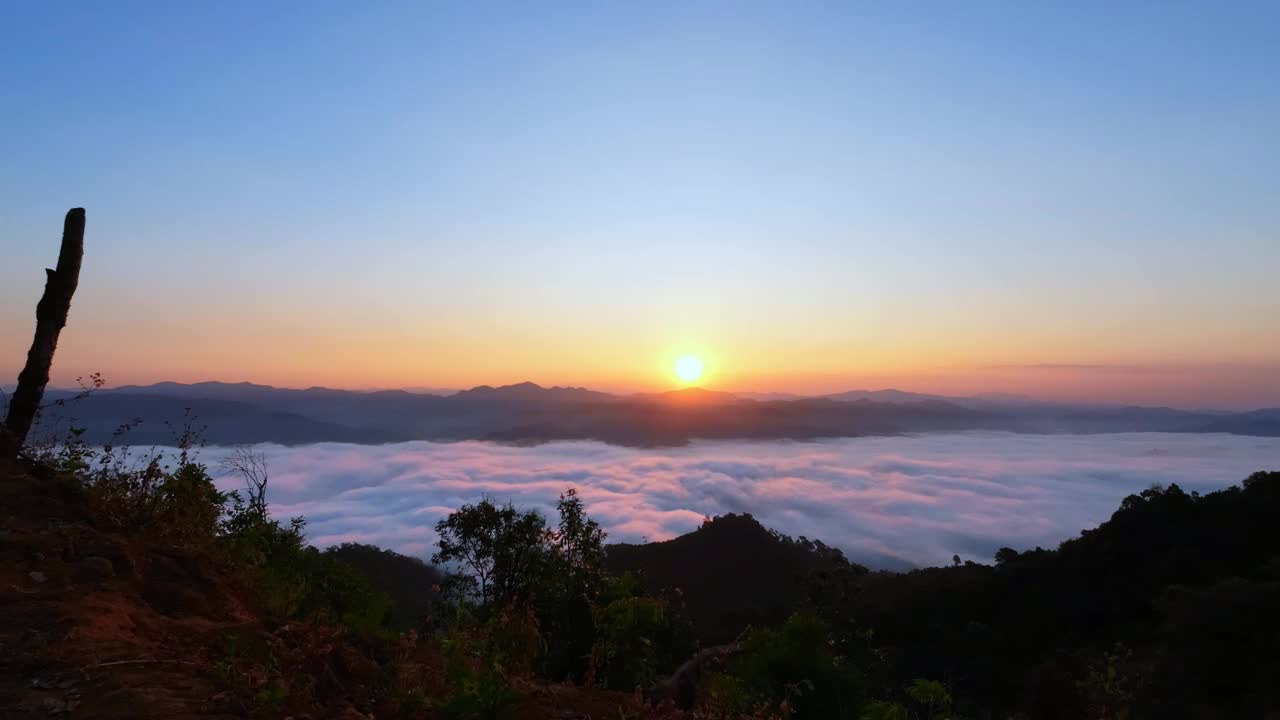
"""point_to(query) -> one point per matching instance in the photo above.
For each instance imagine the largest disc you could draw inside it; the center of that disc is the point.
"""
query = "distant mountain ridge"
(528, 413)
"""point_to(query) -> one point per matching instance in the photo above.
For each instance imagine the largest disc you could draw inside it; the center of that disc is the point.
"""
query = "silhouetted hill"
(981, 401)
(526, 413)
(527, 392)
(769, 396)
(1265, 422)
(732, 572)
(408, 581)
(158, 419)
(1166, 609)
(889, 396)
(1180, 588)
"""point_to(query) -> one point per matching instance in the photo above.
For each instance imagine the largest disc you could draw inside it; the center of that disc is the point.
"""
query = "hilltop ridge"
(732, 571)
(527, 413)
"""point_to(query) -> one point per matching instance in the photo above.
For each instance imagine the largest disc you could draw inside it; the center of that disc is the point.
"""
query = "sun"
(688, 368)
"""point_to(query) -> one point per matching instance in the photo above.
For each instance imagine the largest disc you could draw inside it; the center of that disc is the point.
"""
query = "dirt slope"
(96, 626)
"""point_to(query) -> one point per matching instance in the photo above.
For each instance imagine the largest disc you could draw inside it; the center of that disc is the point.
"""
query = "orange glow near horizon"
(637, 353)
(622, 368)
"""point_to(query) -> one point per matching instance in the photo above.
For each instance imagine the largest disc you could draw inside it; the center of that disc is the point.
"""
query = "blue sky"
(809, 195)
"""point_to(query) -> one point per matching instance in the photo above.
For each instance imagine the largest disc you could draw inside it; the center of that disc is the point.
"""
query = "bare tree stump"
(51, 317)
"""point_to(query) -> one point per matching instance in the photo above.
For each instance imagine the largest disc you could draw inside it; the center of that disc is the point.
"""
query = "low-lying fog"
(889, 502)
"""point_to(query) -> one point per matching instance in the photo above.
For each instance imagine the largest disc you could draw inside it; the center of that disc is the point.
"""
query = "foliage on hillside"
(589, 627)
(133, 587)
(1165, 610)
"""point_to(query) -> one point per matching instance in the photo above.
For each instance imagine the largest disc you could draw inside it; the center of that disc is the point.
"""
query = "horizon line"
(781, 395)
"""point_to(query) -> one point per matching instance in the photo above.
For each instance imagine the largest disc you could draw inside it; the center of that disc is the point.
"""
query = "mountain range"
(526, 413)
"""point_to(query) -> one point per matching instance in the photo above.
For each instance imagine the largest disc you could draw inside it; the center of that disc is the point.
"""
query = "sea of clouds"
(889, 502)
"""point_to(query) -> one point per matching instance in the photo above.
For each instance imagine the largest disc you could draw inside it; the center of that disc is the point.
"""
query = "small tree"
(578, 545)
(498, 548)
(570, 588)
(252, 468)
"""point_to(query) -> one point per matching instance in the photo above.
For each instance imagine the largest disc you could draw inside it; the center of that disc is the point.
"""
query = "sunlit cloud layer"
(888, 502)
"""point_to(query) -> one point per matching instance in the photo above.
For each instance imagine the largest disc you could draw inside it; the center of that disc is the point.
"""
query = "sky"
(1067, 200)
(888, 502)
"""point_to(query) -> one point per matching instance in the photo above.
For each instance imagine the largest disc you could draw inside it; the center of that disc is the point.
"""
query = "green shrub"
(931, 696)
(171, 499)
(482, 693)
(191, 507)
(792, 668)
(181, 506)
(639, 638)
(295, 580)
(480, 659)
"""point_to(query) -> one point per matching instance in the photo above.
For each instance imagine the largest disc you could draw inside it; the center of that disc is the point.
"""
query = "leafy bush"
(931, 696)
(482, 657)
(292, 578)
(192, 507)
(792, 669)
(336, 593)
(479, 691)
(177, 504)
(639, 638)
(167, 498)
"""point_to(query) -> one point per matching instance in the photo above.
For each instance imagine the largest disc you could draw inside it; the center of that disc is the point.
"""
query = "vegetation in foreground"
(133, 586)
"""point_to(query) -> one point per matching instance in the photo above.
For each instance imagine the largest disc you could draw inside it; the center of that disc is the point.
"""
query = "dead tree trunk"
(51, 317)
